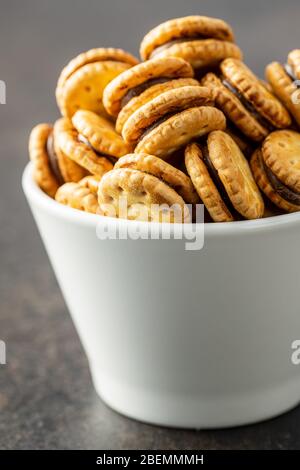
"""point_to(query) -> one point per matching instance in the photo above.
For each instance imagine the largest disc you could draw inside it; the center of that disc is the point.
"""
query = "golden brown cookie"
(78, 197)
(281, 154)
(100, 133)
(71, 81)
(135, 195)
(223, 179)
(84, 89)
(262, 104)
(259, 172)
(70, 170)
(282, 79)
(205, 185)
(234, 108)
(184, 29)
(164, 138)
(164, 171)
(164, 105)
(148, 95)
(80, 152)
(201, 54)
(45, 171)
(136, 80)
(91, 56)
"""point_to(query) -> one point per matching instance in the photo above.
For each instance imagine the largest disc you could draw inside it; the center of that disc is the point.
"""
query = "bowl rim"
(39, 198)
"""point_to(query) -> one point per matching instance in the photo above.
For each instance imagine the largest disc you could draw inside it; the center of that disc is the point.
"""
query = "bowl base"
(197, 412)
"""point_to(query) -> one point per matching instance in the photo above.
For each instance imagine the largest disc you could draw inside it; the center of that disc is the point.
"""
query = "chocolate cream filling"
(249, 106)
(53, 160)
(139, 89)
(213, 173)
(169, 44)
(289, 195)
(85, 141)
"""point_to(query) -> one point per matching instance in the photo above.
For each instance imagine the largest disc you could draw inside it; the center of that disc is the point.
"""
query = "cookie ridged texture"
(100, 133)
(241, 77)
(188, 26)
(204, 185)
(171, 67)
(234, 109)
(42, 172)
(139, 191)
(235, 174)
(70, 170)
(93, 55)
(148, 95)
(262, 181)
(172, 101)
(81, 153)
(180, 129)
(281, 153)
(84, 89)
(203, 52)
(283, 87)
(164, 171)
(77, 197)
(91, 182)
(294, 62)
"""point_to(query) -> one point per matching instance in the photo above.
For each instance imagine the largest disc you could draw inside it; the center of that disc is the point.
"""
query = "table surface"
(46, 397)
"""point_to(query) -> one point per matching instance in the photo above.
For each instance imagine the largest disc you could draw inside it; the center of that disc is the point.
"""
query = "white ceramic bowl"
(182, 338)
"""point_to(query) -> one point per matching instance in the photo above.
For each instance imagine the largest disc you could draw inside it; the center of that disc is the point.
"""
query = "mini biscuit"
(149, 94)
(180, 129)
(281, 154)
(80, 152)
(164, 171)
(42, 171)
(135, 195)
(235, 174)
(234, 109)
(283, 87)
(84, 88)
(258, 170)
(146, 73)
(240, 77)
(70, 170)
(223, 179)
(204, 184)
(203, 53)
(100, 133)
(99, 54)
(188, 27)
(78, 197)
(167, 103)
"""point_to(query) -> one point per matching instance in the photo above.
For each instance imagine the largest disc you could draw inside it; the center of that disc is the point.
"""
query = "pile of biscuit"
(189, 124)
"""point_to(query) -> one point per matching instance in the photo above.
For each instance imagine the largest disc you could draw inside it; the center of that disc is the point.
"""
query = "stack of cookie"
(189, 124)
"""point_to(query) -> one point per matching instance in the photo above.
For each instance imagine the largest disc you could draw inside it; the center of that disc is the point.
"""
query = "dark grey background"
(46, 396)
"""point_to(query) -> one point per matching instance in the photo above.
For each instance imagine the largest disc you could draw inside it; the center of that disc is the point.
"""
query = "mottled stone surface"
(46, 397)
